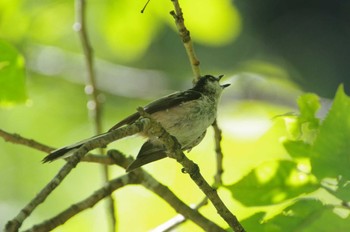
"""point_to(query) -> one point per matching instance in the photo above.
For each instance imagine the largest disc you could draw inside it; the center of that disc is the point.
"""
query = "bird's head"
(210, 85)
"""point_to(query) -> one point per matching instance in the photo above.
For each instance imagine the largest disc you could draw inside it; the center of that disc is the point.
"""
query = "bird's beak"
(225, 85)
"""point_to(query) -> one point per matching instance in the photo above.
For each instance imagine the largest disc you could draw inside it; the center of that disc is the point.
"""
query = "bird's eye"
(212, 78)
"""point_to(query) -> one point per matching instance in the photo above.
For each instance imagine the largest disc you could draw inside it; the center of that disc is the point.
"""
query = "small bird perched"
(185, 115)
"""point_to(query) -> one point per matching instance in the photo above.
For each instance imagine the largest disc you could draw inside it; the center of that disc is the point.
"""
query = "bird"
(186, 115)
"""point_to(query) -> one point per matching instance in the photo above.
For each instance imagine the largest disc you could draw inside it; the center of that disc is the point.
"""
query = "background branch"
(94, 102)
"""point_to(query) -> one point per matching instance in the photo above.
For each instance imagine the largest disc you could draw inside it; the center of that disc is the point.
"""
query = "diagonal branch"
(102, 141)
(18, 139)
(136, 177)
(166, 194)
(175, 152)
(89, 202)
(186, 39)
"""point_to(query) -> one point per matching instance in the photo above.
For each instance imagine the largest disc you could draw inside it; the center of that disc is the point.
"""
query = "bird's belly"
(187, 122)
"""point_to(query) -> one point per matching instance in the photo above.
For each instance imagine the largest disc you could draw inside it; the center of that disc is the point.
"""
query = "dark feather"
(59, 153)
(148, 153)
(163, 103)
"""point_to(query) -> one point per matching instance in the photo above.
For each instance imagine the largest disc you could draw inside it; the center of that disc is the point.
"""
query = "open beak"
(225, 85)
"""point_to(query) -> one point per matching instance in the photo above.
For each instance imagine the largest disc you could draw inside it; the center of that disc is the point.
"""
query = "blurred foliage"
(321, 163)
(12, 77)
(286, 174)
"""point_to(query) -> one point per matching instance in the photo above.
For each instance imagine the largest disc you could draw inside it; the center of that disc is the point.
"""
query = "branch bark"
(175, 152)
(186, 39)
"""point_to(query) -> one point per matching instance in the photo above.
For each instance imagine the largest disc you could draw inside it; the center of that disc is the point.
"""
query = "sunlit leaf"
(298, 149)
(12, 75)
(331, 157)
(308, 215)
(309, 104)
(272, 182)
(305, 215)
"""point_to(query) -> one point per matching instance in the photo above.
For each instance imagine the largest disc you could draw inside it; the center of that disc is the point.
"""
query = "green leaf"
(308, 215)
(331, 156)
(305, 125)
(343, 191)
(271, 183)
(12, 75)
(298, 149)
(308, 105)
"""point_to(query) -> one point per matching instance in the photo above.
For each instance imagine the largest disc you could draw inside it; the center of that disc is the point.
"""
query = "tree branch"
(219, 155)
(136, 177)
(166, 194)
(186, 39)
(18, 139)
(89, 202)
(175, 152)
(102, 141)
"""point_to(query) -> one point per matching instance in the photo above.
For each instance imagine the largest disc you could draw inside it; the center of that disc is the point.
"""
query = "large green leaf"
(12, 75)
(331, 156)
(306, 215)
(298, 149)
(271, 183)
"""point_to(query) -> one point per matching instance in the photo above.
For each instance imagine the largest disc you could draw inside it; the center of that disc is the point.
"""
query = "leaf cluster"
(309, 191)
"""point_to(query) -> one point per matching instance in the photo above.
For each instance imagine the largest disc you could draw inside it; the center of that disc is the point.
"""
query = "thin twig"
(219, 155)
(166, 194)
(140, 125)
(18, 139)
(136, 177)
(89, 202)
(94, 103)
(186, 39)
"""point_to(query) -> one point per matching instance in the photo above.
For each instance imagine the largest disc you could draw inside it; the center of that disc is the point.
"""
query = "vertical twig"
(186, 39)
(219, 155)
(94, 102)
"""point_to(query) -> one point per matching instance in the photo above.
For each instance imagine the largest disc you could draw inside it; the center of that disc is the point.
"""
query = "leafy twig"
(94, 103)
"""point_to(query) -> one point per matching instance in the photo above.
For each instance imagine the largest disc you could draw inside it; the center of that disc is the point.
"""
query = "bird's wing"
(163, 103)
(148, 153)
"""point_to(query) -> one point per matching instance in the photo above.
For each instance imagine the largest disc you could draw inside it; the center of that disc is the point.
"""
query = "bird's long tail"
(67, 151)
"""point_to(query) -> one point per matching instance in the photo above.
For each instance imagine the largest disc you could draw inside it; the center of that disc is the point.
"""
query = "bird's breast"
(189, 120)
